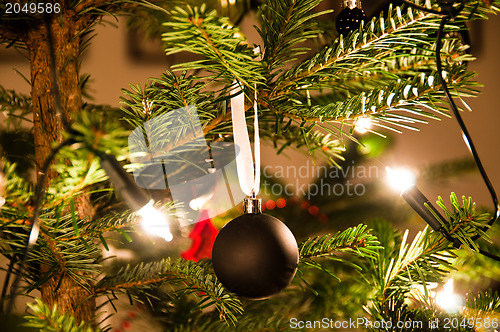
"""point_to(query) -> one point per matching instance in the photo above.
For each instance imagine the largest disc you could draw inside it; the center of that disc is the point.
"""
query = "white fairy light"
(400, 179)
(362, 125)
(197, 203)
(448, 300)
(154, 222)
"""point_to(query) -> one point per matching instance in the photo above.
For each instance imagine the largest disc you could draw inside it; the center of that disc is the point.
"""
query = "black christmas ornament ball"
(255, 256)
(349, 19)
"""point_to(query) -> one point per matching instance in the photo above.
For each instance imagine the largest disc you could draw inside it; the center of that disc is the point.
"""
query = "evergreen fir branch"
(425, 260)
(480, 309)
(171, 92)
(482, 304)
(75, 179)
(191, 278)
(16, 107)
(285, 25)
(77, 258)
(46, 319)
(144, 106)
(167, 93)
(79, 170)
(393, 48)
(18, 191)
(465, 221)
(392, 106)
(225, 52)
(391, 66)
(381, 39)
(363, 47)
(248, 322)
(429, 257)
(357, 240)
(285, 135)
(98, 130)
(58, 248)
(92, 9)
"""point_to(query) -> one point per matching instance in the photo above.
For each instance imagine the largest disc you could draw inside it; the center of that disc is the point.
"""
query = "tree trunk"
(66, 293)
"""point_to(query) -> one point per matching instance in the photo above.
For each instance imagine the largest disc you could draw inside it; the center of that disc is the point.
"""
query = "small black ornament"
(349, 19)
(255, 256)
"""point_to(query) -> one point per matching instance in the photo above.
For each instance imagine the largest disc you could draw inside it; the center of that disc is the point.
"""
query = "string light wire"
(448, 11)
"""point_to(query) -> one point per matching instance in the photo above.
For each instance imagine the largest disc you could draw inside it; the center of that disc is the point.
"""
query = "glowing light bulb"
(362, 125)
(400, 179)
(154, 222)
(448, 300)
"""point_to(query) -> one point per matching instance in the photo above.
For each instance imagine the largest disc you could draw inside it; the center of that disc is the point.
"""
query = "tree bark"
(48, 128)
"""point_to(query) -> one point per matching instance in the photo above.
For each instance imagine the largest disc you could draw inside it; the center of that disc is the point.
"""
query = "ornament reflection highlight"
(154, 222)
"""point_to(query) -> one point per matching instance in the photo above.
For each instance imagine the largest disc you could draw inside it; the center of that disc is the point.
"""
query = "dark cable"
(466, 136)
(6, 282)
(35, 223)
(488, 254)
(448, 11)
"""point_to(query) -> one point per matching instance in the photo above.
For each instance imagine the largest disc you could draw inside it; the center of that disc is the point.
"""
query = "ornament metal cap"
(351, 4)
(252, 205)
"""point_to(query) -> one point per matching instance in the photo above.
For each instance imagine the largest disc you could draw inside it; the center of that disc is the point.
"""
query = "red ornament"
(203, 235)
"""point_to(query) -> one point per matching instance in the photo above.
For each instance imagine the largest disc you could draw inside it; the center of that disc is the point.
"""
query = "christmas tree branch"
(292, 135)
(86, 4)
(412, 62)
(483, 304)
(44, 318)
(354, 239)
(429, 256)
(357, 241)
(396, 33)
(286, 24)
(16, 107)
(405, 96)
(191, 278)
(224, 50)
(356, 49)
(390, 47)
